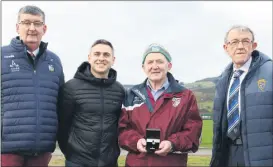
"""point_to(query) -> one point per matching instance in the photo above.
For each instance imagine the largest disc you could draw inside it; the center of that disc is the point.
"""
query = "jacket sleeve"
(188, 139)
(128, 137)
(66, 106)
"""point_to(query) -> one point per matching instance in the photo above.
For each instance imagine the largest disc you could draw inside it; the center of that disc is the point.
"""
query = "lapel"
(222, 87)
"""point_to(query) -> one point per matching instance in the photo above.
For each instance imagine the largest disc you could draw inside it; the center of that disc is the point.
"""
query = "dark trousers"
(236, 155)
(15, 160)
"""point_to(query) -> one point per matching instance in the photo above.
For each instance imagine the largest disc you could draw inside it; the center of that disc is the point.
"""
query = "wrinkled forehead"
(239, 34)
(30, 17)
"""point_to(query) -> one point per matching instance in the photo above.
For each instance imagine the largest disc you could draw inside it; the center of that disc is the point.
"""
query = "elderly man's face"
(156, 67)
(101, 59)
(239, 46)
(31, 30)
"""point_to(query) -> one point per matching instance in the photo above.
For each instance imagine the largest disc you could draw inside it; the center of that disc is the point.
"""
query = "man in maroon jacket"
(159, 103)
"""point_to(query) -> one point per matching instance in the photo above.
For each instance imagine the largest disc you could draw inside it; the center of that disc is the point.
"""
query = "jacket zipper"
(102, 118)
(37, 101)
(37, 109)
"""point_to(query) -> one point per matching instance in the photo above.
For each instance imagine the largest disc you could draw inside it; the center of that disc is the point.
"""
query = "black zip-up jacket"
(89, 110)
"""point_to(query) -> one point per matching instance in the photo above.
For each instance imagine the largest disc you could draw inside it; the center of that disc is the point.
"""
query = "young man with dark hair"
(90, 106)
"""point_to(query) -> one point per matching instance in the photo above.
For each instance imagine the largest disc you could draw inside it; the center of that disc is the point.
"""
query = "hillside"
(204, 92)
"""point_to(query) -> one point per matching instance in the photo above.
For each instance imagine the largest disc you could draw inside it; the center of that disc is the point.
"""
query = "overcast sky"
(193, 32)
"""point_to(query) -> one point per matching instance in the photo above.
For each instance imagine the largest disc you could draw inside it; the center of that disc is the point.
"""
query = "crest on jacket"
(50, 68)
(14, 67)
(261, 84)
(176, 101)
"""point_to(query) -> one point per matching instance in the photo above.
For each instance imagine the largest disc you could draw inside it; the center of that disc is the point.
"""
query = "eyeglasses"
(235, 43)
(36, 24)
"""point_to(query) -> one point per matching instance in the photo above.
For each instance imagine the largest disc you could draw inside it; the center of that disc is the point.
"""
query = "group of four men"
(92, 115)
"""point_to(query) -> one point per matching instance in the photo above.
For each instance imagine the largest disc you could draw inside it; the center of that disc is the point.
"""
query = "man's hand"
(164, 148)
(141, 144)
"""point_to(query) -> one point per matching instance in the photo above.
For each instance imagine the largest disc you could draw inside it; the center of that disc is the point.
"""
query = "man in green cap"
(159, 111)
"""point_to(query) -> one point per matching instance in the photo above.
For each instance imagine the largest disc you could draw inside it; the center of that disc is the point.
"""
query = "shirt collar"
(164, 86)
(245, 67)
(35, 52)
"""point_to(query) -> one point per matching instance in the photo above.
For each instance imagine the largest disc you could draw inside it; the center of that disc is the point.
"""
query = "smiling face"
(156, 67)
(239, 46)
(101, 60)
(31, 30)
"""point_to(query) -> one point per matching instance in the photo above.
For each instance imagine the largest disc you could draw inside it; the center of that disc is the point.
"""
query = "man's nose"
(101, 57)
(155, 66)
(240, 45)
(32, 27)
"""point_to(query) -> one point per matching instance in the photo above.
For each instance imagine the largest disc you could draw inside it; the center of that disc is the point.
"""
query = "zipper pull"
(34, 71)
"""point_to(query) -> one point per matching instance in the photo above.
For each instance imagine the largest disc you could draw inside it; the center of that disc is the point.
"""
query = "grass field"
(207, 134)
(192, 161)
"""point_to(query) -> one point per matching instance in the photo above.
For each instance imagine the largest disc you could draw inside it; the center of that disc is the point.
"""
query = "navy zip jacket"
(29, 93)
(256, 114)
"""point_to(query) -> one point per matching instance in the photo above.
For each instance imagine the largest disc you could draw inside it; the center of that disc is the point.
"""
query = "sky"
(193, 32)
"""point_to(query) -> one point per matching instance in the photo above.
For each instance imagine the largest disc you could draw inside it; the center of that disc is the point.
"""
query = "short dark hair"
(104, 42)
(33, 10)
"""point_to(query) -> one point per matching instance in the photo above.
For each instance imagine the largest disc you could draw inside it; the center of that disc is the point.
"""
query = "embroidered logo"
(136, 100)
(261, 84)
(14, 67)
(9, 56)
(176, 101)
(140, 94)
(155, 49)
(50, 68)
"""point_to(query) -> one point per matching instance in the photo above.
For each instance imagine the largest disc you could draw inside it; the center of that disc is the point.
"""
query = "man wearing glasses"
(243, 117)
(31, 77)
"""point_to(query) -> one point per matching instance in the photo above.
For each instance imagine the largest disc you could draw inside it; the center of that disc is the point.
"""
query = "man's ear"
(45, 29)
(169, 66)
(114, 58)
(89, 57)
(254, 45)
(225, 47)
(143, 67)
(17, 28)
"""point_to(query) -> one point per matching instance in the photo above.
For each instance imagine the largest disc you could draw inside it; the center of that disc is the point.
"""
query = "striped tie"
(233, 107)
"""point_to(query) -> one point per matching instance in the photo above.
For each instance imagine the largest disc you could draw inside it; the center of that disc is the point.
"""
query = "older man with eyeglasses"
(243, 105)
(31, 77)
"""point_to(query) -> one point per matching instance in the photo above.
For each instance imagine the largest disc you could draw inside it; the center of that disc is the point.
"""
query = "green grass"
(207, 105)
(207, 134)
(199, 160)
(192, 161)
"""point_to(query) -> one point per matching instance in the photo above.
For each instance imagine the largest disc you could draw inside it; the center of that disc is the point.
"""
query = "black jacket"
(89, 112)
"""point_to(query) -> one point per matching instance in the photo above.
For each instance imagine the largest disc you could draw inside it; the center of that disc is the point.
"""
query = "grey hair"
(241, 28)
(33, 10)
